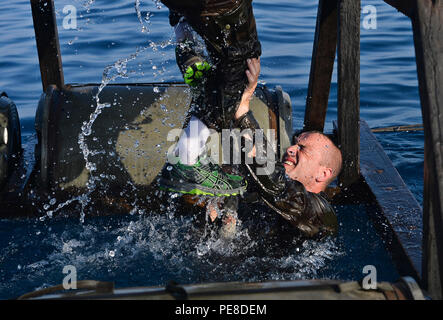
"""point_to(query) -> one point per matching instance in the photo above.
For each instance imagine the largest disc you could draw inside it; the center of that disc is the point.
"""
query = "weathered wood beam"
(427, 23)
(399, 220)
(348, 104)
(404, 6)
(48, 46)
(322, 65)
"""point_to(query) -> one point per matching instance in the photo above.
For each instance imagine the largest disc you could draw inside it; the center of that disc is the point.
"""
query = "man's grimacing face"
(302, 160)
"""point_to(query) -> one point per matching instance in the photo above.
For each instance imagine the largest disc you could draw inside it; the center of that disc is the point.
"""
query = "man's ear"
(324, 175)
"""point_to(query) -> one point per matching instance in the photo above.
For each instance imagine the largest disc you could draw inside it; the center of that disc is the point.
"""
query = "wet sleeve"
(311, 213)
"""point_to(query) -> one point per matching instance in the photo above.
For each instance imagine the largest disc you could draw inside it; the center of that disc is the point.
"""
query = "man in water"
(295, 189)
(228, 28)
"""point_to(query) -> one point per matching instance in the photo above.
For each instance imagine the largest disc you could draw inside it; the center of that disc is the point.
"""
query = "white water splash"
(177, 248)
(143, 21)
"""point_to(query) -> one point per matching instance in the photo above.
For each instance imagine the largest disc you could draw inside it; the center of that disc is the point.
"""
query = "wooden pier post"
(427, 21)
(322, 65)
(404, 6)
(48, 46)
(349, 89)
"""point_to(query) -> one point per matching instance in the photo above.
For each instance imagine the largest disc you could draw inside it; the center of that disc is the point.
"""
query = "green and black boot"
(201, 179)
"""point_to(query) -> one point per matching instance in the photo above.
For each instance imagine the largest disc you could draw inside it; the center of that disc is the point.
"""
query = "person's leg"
(193, 173)
(189, 175)
(231, 38)
(229, 31)
(192, 142)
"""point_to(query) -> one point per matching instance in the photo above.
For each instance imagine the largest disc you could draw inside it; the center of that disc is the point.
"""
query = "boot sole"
(188, 188)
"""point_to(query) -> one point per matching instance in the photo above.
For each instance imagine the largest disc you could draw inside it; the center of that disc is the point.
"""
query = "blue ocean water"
(146, 250)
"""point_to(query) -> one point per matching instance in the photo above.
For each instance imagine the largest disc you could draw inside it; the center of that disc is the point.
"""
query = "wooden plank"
(399, 220)
(48, 46)
(411, 127)
(404, 6)
(348, 112)
(322, 65)
(427, 24)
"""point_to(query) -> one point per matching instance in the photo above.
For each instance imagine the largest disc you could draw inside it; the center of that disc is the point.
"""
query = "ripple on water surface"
(146, 250)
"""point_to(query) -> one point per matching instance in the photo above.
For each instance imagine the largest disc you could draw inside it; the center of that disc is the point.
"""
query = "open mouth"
(290, 162)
